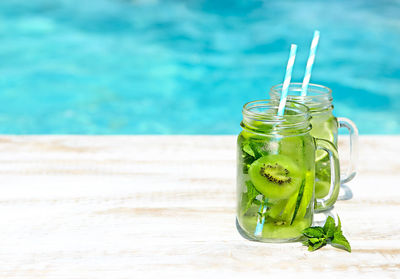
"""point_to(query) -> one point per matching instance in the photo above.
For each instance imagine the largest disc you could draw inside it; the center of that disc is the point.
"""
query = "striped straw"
(261, 219)
(310, 63)
(288, 77)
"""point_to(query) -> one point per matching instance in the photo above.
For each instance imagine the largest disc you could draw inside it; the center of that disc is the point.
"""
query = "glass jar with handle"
(325, 126)
(276, 172)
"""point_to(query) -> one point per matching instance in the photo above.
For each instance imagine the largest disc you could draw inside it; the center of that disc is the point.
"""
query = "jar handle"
(353, 138)
(330, 199)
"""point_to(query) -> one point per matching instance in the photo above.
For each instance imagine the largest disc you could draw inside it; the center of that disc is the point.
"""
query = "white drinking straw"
(288, 77)
(281, 109)
(260, 219)
(310, 63)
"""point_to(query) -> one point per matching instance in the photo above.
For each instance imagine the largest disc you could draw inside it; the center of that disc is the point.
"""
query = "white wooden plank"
(151, 206)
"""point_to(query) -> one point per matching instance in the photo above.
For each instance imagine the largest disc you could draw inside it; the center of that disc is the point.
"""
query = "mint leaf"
(329, 227)
(248, 155)
(315, 240)
(252, 193)
(339, 241)
(313, 232)
(258, 150)
(317, 245)
(246, 168)
(318, 237)
(247, 159)
(339, 226)
(246, 148)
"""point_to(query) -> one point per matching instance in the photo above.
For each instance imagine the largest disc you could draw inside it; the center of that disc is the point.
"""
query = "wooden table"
(152, 206)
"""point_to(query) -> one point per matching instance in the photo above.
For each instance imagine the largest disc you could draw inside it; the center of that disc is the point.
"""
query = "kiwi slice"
(275, 176)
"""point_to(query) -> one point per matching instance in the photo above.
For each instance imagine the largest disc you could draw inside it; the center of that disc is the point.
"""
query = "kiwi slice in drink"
(275, 176)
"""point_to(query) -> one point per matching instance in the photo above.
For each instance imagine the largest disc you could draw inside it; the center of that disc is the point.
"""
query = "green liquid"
(324, 126)
(285, 206)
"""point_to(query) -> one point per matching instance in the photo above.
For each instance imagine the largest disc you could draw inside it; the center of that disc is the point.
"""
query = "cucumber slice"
(287, 213)
(307, 196)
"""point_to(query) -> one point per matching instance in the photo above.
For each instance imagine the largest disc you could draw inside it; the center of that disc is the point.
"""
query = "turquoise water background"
(187, 67)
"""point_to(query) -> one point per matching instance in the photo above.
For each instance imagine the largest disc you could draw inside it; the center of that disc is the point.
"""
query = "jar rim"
(274, 104)
(318, 98)
(324, 90)
(259, 113)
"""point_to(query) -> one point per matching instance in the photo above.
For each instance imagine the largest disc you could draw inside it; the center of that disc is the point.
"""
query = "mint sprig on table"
(318, 237)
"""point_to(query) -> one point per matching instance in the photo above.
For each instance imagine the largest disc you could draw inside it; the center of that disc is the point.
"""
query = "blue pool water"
(187, 67)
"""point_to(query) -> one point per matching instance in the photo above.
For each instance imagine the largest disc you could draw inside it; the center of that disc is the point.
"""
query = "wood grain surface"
(164, 206)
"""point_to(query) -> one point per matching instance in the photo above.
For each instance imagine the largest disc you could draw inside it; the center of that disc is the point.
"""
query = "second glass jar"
(324, 126)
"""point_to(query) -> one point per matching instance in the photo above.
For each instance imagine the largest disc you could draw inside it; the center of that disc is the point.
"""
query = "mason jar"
(276, 172)
(325, 126)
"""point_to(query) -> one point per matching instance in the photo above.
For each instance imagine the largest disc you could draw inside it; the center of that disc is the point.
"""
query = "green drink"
(276, 171)
(324, 126)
